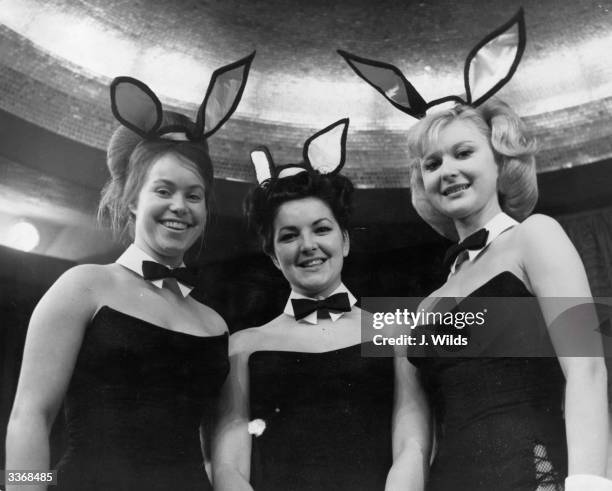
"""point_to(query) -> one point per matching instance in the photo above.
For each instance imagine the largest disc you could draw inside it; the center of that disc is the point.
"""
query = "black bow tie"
(155, 271)
(471, 243)
(338, 302)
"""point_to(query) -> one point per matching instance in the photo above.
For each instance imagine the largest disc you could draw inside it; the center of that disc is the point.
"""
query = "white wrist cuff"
(587, 482)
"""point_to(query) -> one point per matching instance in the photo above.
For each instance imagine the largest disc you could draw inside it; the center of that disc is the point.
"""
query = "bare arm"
(411, 431)
(559, 280)
(231, 455)
(52, 345)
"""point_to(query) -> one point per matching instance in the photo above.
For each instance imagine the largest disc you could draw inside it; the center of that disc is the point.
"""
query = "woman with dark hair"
(302, 409)
(134, 357)
(524, 422)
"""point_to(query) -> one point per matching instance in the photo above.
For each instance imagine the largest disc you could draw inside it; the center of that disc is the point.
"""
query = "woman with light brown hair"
(134, 358)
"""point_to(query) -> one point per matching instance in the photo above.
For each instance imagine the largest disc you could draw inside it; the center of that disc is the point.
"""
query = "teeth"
(454, 189)
(175, 225)
(314, 262)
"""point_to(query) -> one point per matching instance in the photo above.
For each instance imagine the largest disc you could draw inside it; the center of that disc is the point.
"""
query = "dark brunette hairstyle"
(262, 203)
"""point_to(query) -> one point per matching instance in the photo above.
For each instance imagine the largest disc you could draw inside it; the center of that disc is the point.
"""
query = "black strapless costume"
(327, 417)
(500, 423)
(134, 406)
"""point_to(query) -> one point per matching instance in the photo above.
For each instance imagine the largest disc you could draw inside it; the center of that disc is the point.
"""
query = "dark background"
(55, 123)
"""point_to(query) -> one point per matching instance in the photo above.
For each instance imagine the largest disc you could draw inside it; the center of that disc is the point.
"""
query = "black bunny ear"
(263, 164)
(390, 82)
(493, 61)
(223, 95)
(135, 105)
(325, 151)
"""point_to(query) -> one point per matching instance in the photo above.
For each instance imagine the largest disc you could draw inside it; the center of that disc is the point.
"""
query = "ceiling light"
(23, 236)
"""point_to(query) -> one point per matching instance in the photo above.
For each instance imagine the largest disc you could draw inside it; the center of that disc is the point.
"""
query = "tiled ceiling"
(57, 58)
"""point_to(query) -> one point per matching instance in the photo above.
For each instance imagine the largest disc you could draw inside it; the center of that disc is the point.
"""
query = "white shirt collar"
(498, 224)
(312, 317)
(132, 259)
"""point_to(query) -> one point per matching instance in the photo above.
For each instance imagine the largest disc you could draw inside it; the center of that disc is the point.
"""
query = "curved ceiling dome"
(58, 57)
(62, 55)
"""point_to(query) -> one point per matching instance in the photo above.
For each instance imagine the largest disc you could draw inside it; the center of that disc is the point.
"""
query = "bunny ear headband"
(325, 152)
(488, 67)
(136, 106)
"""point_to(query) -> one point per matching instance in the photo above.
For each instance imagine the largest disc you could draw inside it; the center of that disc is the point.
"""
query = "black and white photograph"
(282, 245)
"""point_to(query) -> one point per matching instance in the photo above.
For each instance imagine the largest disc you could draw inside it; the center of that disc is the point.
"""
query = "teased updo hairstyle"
(129, 159)
(263, 202)
(513, 148)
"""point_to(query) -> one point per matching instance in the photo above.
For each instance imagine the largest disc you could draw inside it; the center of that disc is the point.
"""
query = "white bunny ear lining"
(223, 95)
(137, 107)
(324, 152)
(262, 162)
(492, 62)
(390, 82)
(488, 67)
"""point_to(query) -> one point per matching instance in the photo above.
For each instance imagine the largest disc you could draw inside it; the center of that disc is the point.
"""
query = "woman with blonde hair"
(510, 415)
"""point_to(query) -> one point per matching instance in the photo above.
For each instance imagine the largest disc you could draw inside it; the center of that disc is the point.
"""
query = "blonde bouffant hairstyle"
(514, 150)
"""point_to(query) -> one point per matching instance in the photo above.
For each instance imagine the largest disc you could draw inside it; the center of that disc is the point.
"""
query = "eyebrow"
(313, 224)
(172, 183)
(454, 147)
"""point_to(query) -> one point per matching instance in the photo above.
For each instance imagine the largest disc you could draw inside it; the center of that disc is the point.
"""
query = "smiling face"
(309, 246)
(170, 211)
(460, 174)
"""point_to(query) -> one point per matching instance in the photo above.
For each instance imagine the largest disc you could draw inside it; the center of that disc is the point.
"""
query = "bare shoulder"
(86, 276)
(213, 321)
(540, 235)
(247, 341)
(539, 220)
(539, 227)
(549, 259)
(82, 283)
(241, 342)
(74, 297)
